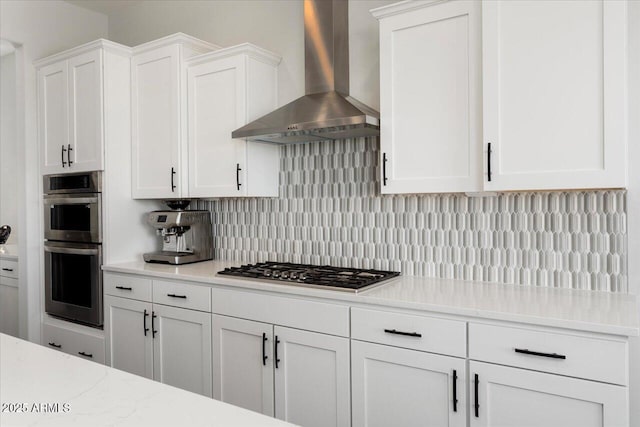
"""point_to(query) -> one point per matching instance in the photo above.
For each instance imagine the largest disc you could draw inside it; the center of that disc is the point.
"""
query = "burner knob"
(293, 275)
(284, 275)
(303, 276)
(275, 274)
(267, 273)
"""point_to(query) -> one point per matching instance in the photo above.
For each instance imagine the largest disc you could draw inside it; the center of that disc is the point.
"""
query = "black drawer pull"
(489, 162)
(406, 334)
(537, 353)
(177, 296)
(264, 350)
(144, 322)
(52, 344)
(124, 288)
(455, 391)
(7, 269)
(276, 352)
(476, 403)
(82, 353)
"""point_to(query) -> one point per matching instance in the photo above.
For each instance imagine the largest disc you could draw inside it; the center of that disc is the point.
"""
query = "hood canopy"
(326, 112)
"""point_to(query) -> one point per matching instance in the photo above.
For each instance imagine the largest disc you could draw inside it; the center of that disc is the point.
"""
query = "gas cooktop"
(338, 278)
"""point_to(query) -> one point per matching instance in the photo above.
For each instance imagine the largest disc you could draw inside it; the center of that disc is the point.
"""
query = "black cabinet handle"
(153, 327)
(537, 353)
(238, 169)
(124, 288)
(177, 296)
(52, 344)
(264, 350)
(7, 269)
(489, 162)
(62, 155)
(173, 187)
(276, 351)
(69, 154)
(406, 334)
(476, 405)
(144, 322)
(384, 168)
(455, 391)
(82, 353)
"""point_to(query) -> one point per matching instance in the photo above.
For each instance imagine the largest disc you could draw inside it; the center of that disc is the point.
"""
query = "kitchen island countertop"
(581, 310)
(40, 386)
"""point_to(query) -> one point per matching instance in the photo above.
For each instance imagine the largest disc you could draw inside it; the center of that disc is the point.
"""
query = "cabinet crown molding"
(249, 49)
(401, 7)
(107, 45)
(177, 38)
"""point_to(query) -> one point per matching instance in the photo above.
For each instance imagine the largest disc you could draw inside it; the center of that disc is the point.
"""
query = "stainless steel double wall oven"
(73, 246)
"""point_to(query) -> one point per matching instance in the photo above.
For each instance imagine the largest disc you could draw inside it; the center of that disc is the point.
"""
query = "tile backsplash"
(330, 211)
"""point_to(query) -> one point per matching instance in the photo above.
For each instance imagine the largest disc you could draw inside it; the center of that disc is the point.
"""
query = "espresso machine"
(186, 236)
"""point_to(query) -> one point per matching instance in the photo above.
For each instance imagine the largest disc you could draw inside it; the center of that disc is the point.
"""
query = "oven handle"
(72, 251)
(57, 200)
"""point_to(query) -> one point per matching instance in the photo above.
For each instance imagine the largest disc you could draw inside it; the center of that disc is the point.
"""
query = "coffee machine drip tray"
(171, 257)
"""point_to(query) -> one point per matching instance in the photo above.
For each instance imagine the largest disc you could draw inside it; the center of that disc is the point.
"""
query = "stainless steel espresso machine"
(186, 235)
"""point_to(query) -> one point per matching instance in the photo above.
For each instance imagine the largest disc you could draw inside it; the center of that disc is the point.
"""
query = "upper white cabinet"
(554, 94)
(430, 98)
(227, 89)
(525, 95)
(73, 106)
(158, 107)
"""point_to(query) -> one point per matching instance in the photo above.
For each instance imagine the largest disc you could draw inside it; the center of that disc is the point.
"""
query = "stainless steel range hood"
(326, 112)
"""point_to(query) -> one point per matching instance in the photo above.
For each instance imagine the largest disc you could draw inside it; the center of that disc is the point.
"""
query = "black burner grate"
(326, 276)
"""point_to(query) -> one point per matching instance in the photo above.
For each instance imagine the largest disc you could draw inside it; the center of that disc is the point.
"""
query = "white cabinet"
(430, 94)
(396, 381)
(9, 297)
(158, 108)
(504, 396)
(169, 344)
(262, 363)
(554, 93)
(227, 89)
(396, 386)
(73, 108)
(501, 105)
(77, 340)
(541, 377)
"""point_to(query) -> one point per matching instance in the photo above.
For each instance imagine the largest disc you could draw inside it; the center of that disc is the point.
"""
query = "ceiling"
(106, 7)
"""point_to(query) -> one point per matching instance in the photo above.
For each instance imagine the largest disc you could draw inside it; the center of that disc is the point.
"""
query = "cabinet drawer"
(125, 286)
(9, 268)
(193, 297)
(577, 356)
(410, 331)
(76, 343)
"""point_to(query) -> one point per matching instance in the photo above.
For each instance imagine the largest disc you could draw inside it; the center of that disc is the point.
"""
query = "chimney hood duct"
(326, 112)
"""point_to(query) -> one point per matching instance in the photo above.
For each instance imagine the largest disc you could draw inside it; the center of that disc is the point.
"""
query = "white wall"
(276, 25)
(8, 146)
(41, 28)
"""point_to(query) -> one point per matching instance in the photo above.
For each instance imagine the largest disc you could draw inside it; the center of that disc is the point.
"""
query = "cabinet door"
(129, 341)
(216, 107)
(517, 397)
(155, 97)
(85, 112)
(554, 94)
(9, 306)
(243, 363)
(430, 99)
(395, 386)
(53, 117)
(182, 348)
(311, 378)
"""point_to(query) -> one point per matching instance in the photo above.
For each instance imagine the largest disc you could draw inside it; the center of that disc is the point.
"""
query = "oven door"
(73, 218)
(73, 281)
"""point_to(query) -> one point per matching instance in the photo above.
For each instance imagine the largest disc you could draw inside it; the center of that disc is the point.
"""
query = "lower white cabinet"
(77, 340)
(9, 306)
(302, 377)
(402, 387)
(168, 344)
(505, 396)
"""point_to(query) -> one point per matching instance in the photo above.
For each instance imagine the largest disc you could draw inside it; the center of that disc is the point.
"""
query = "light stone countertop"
(600, 312)
(69, 391)
(9, 252)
